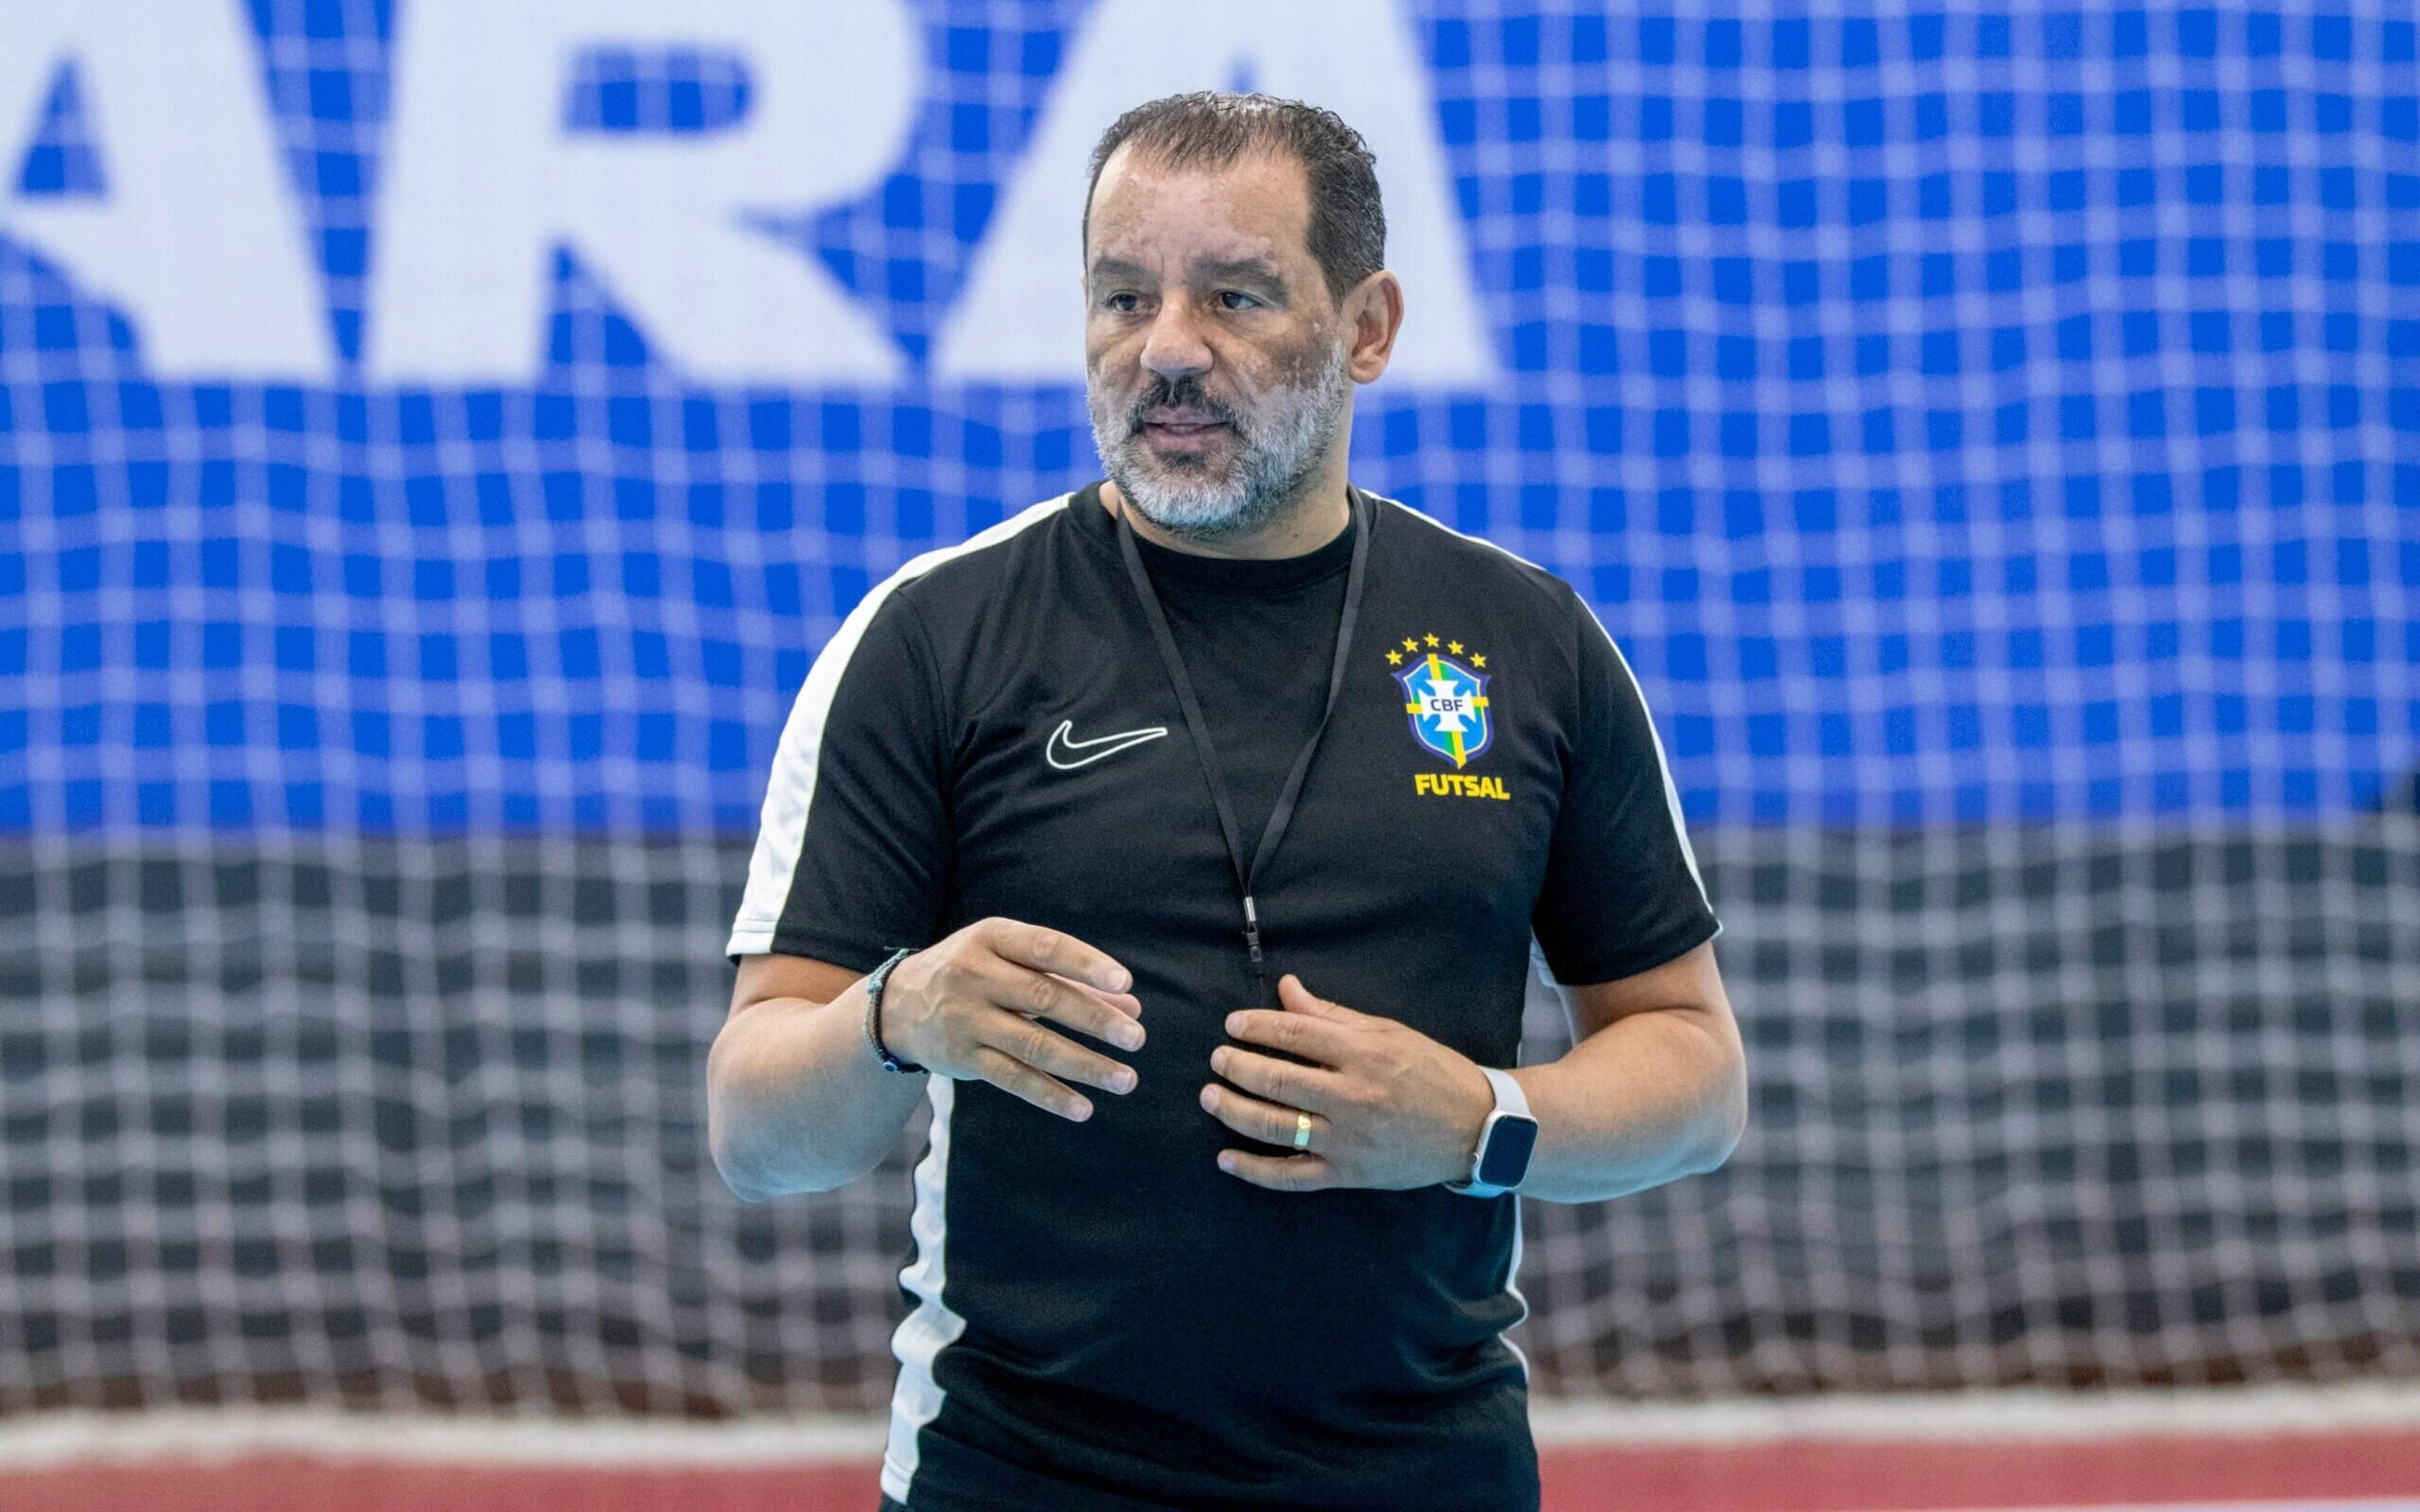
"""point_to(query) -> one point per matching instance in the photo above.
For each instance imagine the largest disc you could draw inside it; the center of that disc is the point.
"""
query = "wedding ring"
(1302, 1130)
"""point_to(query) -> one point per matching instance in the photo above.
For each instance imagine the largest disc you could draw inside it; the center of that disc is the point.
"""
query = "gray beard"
(1285, 437)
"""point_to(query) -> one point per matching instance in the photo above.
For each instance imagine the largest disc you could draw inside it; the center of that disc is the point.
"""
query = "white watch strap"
(1508, 1096)
(1509, 1099)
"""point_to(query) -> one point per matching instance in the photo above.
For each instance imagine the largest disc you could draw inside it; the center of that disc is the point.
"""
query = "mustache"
(1178, 393)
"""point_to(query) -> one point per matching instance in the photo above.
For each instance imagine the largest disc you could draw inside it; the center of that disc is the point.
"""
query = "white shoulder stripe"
(782, 832)
(1436, 524)
(1663, 766)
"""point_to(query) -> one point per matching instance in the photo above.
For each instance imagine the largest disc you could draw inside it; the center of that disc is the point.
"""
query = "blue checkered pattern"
(1959, 416)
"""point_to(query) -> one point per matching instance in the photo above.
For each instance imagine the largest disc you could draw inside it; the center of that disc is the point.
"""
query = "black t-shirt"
(1233, 621)
(1100, 1320)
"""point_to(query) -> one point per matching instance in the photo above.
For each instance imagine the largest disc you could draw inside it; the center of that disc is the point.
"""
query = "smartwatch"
(1505, 1141)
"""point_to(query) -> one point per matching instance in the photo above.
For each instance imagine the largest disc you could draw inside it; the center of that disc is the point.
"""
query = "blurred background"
(436, 436)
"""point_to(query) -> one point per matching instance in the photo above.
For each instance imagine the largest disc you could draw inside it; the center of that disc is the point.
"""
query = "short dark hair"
(1211, 129)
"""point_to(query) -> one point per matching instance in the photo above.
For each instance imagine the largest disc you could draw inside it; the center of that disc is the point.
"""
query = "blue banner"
(454, 416)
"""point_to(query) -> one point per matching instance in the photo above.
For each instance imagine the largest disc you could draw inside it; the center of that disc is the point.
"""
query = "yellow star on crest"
(1394, 658)
(1454, 646)
(1410, 645)
(1479, 661)
(1432, 640)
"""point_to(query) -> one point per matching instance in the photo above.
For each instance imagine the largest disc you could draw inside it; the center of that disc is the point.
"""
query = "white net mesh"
(2032, 1107)
(1992, 436)
(423, 1124)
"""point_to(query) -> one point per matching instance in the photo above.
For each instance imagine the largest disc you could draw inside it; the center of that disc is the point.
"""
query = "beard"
(1282, 433)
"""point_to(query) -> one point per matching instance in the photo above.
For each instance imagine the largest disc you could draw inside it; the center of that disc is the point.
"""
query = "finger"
(1023, 1081)
(1253, 1118)
(1050, 950)
(1279, 1173)
(1126, 1003)
(1300, 1034)
(1081, 1008)
(1027, 1042)
(1286, 1083)
(1296, 998)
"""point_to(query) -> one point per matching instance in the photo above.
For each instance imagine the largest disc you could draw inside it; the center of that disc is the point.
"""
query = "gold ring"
(1302, 1130)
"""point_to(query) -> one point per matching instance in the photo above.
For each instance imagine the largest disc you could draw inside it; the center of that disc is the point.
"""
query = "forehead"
(1145, 211)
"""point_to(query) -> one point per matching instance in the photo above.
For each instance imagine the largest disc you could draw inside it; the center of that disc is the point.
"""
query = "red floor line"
(1826, 1475)
(1846, 1476)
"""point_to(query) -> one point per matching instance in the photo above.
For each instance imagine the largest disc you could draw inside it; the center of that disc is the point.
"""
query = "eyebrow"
(1240, 271)
(1247, 270)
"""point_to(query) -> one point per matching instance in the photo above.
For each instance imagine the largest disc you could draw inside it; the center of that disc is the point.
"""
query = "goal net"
(1993, 438)
(422, 1125)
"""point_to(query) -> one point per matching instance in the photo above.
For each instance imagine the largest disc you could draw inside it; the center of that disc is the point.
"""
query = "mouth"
(1182, 432)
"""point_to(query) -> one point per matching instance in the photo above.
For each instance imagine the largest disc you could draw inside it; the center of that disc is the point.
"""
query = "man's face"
(1214, 361)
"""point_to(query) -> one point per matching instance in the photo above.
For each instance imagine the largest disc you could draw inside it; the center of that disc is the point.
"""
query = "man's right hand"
(972, 1007)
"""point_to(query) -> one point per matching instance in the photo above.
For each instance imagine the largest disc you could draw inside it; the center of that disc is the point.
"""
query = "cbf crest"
(1445, 699)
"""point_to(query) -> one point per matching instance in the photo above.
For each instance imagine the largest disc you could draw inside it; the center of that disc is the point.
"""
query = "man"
(1230, 792)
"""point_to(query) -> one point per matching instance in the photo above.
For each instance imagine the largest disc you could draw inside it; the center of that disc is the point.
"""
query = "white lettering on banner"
(199, 238)
(483, 183)
(1020, 315)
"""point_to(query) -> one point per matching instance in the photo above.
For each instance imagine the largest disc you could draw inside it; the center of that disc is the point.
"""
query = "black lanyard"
(1247, 871)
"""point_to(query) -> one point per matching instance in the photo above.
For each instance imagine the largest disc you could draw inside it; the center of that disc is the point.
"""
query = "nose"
(1174, 349)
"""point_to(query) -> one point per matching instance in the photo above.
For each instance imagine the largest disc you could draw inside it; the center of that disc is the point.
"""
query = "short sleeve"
(852, 858)
(1621, 892)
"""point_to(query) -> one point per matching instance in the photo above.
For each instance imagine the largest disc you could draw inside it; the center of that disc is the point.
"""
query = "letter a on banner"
(196, 234)
(486, 178)
(1020, 317)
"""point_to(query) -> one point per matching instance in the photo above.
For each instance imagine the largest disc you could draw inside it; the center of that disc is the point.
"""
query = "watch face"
(1506, 1160)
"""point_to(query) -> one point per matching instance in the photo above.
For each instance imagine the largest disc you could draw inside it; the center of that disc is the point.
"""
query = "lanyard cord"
(1247, 871)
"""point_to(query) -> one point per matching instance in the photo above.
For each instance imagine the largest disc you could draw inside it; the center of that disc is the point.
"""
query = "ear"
(1374, 314)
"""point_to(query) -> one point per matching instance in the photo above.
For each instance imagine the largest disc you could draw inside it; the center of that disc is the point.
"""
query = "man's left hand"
(1389, 1107)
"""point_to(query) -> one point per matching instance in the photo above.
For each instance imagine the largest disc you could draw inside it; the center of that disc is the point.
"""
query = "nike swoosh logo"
(1095, 748)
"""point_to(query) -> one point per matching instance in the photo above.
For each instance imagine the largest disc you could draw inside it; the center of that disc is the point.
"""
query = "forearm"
(1646, 1099)
(796, 1101)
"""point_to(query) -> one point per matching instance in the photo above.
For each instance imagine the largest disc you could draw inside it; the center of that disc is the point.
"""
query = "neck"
(1315, 517)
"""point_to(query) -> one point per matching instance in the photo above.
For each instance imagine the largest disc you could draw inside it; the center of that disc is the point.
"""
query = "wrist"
(1479, 1103)
(884, 1030)
(1475, 1099)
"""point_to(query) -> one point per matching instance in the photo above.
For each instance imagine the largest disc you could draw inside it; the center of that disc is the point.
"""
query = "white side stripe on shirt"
(782, 835)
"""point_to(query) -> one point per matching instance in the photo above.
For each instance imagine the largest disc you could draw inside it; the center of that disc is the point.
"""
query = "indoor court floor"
(198, 1463)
